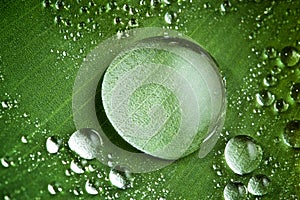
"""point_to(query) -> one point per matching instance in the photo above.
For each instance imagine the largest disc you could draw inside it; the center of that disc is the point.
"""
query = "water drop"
(85, 142)
(295, 92)
(280, 105)
(270, 80)
(52, 144)
(291, 134)
(258, 185)
(46, 3)
(235, 191)
(120, 177)
(54, 188)
(225, 7)
(59, 4)
(290, 56)
(269, 53)
(24, 139)
(265, 98)
(242, 154)
(76, 168)
(5, 162)
(90, 189)
(170, 17)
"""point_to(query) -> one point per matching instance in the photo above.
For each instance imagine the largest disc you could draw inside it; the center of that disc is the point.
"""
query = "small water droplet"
(5, 162)
(75, 167)
(265, 98)
(290, 56)
(242, 154)
(270, 80)
(280, 106)
(170, 17)
(225, 7)
(54, 188)
(235, 191)
(52, 144)
(291, 134)
(258, 185)
(90, 188)
(269, 53)
(85, 142)
(24, 139)
(120, 177)
(275, 70)
(295, 92)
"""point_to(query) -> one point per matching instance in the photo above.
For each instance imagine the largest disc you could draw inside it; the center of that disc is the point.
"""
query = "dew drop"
(54, 188)
(90, 189)
(265, 98)
(52, 144)
(120, 177)
(291, 134)
(258, 185)
(225, 7)
(295, 92)
(76, 168)
(24, 139)
(290, 56)
(235, 191)
(85, 142)
(5, 162)
(242, 154)
(170, 17)
(269, 52)
(270, 80)
(280, 106)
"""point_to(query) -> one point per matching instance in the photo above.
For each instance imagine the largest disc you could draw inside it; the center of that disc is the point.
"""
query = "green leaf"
(43, 44)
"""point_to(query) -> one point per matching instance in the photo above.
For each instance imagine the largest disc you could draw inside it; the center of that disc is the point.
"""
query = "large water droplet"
(52, 145)
(291, 134)
(235, 191)
(242, 154)
(290, 56)
(85, 142)
(259, 185)
(265, 98)
(120, 178)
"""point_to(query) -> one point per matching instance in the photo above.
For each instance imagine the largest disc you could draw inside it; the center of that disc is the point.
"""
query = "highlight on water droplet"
(291, 134)
(235, 191)
(258, 185)
(242, 154)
